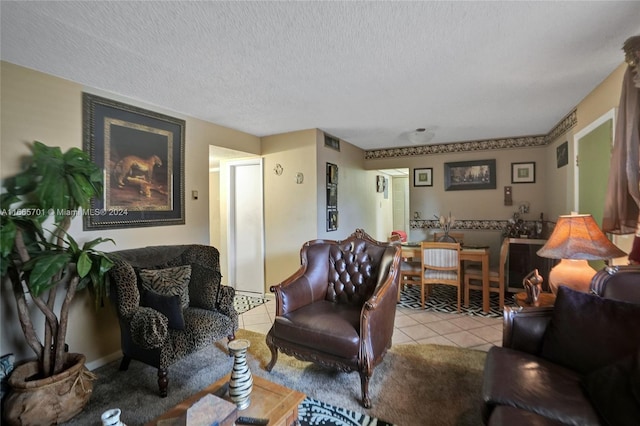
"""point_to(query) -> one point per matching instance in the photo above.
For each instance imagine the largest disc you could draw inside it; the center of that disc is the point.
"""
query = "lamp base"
(575, 274)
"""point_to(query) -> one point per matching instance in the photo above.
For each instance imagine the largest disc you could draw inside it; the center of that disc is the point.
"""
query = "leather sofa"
(170, 303)
(576, 363)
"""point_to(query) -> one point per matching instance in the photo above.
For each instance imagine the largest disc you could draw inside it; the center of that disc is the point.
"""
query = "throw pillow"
(204, 287)
(168, 282)
(169, 306)
(614, 391)
(588, 332)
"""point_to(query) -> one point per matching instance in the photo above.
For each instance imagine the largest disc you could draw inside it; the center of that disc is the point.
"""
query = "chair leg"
(459, 293)
(364, 383)
(163, 382)
(124, 364)
(274, 355)
(501, 298)
(422, 295)
(466, 291)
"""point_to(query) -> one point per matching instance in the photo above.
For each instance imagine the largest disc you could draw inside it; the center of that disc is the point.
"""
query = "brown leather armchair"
(338, 309)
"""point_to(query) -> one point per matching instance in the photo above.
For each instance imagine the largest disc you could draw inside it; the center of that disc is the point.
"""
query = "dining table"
(467, 253)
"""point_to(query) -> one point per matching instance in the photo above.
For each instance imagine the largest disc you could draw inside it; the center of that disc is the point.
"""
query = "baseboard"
(103, 361)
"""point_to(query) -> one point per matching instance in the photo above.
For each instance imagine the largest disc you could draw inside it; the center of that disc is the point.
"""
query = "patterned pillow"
(168, 282)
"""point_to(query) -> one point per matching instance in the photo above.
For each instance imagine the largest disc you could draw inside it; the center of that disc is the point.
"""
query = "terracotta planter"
(51, 400)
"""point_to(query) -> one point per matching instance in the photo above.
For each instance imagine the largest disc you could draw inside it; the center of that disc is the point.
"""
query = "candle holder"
(241, 382)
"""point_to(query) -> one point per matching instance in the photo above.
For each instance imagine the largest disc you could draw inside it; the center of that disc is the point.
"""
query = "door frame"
(609, 115)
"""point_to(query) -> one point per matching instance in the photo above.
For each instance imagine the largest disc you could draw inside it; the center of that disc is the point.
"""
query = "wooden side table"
(545, 299)
(268, 400)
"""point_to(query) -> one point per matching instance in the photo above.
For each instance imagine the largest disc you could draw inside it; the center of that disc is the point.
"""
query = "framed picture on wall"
(141, 153)
(562, 154)
(423, 177)
(461, 175)
(523, 172)
(332, 220)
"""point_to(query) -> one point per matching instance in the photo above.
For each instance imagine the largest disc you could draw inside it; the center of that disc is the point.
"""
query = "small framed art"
(562, 154)
(523, 172)
(423, 177)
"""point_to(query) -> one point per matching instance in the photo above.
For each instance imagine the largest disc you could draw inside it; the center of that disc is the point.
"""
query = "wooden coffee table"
(268, 400)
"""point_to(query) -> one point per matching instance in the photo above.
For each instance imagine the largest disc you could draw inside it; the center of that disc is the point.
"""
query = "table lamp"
(575, 239)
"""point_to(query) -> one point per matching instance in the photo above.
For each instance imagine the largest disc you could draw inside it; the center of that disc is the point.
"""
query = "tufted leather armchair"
(146, 333)
(338, 309)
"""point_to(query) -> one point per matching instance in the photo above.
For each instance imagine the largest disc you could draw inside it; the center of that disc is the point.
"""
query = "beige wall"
(485, 204)
(290, 208)
(358, 201)
(37, 106)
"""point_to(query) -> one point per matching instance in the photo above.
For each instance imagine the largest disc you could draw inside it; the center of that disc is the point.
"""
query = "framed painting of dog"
(141, 153)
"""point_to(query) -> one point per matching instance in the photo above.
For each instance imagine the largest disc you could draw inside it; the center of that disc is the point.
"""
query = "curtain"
(622, 204)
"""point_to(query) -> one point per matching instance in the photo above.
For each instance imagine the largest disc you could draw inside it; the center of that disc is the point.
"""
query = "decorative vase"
(112, 417)
(50, 400)
(241, 382)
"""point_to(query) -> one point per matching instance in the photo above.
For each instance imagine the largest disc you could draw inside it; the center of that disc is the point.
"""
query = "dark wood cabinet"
(523, 259)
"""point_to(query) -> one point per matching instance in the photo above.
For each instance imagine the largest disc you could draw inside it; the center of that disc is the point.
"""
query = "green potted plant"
(47, 267)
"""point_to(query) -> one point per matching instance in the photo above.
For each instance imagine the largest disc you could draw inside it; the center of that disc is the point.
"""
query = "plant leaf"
(43, 268)
(84, 264)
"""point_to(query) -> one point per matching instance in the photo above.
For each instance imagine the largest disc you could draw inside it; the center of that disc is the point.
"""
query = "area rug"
(444, 299)
(312, 412)
(414, 384)
(243, 303)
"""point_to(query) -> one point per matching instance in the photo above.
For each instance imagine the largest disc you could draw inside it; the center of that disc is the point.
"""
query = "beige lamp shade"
(576, 239)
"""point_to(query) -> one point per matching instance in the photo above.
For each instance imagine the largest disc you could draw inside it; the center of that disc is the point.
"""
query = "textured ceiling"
(367, 72)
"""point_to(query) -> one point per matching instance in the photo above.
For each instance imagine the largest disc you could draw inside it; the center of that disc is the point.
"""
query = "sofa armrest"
(523, 328)
(149, 328)
(293, 293)
(225, 304)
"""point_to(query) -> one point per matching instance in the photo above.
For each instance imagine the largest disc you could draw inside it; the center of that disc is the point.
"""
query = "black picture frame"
(332, 220)
(467, 175)
(141, 153)
(423, 177)
(332, 197)
(562, 154)
(523, 172)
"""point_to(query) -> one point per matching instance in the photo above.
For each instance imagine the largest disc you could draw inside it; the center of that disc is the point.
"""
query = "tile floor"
(411, 326)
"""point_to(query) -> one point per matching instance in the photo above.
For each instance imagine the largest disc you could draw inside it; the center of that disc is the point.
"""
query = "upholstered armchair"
(338, 308)
(170, 303)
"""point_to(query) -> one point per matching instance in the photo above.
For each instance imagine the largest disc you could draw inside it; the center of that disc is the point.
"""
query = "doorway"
(400, 197)
(246, 226)
(236, 222)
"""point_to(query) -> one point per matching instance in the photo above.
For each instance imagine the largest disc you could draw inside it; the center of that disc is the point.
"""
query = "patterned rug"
(443, 299)
(243, 303)
(312, 412)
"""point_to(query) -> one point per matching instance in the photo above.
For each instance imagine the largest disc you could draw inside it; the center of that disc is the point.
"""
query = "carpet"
(414, 384)
(444, 299)
(243, 303)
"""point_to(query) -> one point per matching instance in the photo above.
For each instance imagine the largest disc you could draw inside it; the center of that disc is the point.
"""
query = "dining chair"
(409, 268)
(458, 236)
(440, 265)
(497, 276)
(409, 274)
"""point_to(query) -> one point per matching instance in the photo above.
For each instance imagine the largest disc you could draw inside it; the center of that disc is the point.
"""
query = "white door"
(401, 203)
(246, 226)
